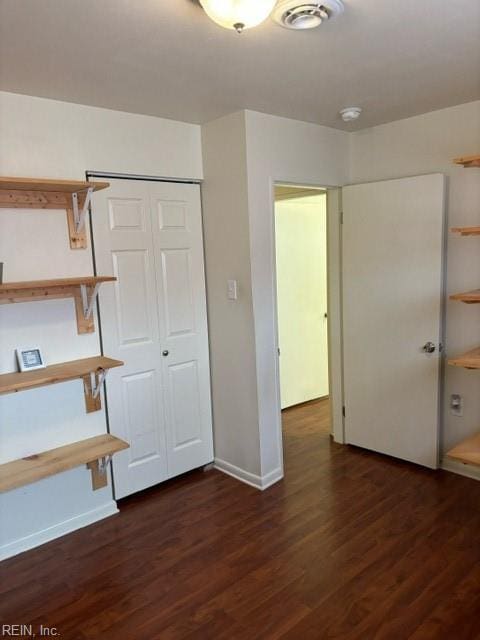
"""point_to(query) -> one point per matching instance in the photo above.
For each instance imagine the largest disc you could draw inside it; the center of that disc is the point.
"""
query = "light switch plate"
(232, 290)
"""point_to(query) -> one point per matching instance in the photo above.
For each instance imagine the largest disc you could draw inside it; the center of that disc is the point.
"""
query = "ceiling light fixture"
(298, 15)
(349, 114)
(238, 14)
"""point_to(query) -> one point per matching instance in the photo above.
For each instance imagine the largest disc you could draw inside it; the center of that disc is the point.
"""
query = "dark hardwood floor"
(351, 545)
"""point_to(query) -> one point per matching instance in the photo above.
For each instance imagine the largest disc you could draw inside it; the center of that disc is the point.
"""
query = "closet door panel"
(178, 288)
(178, 242)
(124, 248)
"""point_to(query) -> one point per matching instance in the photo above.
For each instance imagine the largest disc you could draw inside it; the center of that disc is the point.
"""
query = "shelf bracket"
(76, 215)
(92, 385)
(85, 298)
(87, 302)
(98, 469)
(97, 379)
(79, 216)
(104, 462)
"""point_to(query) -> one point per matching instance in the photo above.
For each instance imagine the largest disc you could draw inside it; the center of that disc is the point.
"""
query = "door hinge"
(341, 217)
(343, 411)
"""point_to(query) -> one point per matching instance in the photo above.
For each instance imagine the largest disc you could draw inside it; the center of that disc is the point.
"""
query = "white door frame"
(334, 298)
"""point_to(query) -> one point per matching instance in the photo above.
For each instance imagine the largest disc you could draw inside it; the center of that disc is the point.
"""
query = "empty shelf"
(468, 161)
(83, 290)
(73, 196)
(48, 463)
(34, 285)
(467, 451)
(470, 297)
(467, 231)
(469, 360)
(48, 185)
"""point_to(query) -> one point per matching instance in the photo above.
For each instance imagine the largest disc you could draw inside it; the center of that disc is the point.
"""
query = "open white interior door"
(392, 302)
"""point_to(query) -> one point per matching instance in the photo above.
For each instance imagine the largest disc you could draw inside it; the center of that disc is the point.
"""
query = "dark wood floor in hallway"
(351, 545)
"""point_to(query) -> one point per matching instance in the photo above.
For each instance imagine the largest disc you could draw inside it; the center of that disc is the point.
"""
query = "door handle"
(429, 347)
(165, 353)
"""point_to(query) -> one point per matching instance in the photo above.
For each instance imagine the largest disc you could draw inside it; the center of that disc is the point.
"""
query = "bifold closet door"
(149, 235)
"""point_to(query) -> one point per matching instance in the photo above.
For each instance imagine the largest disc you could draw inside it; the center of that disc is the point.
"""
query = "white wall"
(301, 262)
(232, 338)
(427, 144)
(286, 151)
(244, 360)
(44, 138)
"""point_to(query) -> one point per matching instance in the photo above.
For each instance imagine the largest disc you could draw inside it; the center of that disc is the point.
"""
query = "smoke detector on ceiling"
(294, 14)
(350, 113)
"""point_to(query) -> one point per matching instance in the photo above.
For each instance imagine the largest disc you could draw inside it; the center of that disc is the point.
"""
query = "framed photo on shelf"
(30, 358)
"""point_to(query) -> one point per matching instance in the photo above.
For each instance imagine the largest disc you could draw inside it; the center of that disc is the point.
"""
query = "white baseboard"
(259, 482)
(271, 478)
(467, 470)
(58, 530)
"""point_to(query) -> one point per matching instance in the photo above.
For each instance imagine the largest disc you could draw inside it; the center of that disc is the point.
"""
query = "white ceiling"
(166, 58)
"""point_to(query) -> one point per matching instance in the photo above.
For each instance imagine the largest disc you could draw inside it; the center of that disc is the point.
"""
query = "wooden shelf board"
(35, 290)
(73, 196)
(469, 360)
(467, 231)
(48, 463)
(55, 373)
(47, 185)
(467, 451)
(52, 284)
(470, 297)
(468, 161)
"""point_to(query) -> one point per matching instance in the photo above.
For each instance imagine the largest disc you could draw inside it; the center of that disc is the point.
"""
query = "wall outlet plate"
(456, 405)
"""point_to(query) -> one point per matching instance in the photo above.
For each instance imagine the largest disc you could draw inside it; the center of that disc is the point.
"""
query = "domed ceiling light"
(295, 14)
(238, 14)
(349, 114)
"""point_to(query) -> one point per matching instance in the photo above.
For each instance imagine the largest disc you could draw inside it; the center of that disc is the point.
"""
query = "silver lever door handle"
(429, 347)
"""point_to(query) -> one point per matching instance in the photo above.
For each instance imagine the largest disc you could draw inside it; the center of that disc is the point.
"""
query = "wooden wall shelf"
(82, 290)
(467, 451)
(468, 161)
(467, 231)
(73, 196)
(94, 452)
(470, 297)
(91, 370)
(469, 360)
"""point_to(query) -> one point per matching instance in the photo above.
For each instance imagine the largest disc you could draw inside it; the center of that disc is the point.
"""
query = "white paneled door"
(149, 235)
(392, 300)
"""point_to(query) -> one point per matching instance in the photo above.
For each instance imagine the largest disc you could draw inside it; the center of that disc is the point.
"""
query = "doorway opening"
(302, 312)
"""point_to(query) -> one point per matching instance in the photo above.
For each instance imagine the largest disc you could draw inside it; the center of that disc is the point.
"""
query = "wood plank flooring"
(351, 545)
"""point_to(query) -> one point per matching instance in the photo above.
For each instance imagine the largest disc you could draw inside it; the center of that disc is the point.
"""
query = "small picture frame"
(30, 358)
